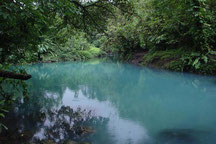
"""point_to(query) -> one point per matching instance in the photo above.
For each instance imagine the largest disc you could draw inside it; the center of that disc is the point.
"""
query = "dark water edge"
(105, 102)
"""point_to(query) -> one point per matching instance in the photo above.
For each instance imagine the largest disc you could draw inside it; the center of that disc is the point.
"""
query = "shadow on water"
(127, 105)
(176, 136)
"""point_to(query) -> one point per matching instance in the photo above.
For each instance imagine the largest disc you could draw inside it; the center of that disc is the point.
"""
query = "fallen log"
(13, 75)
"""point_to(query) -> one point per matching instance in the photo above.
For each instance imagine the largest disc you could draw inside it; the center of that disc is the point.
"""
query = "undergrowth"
(182, 61)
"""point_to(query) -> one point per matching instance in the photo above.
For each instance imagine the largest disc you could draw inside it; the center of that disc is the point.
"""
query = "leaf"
(196, 61)
(197, 66)
(195, 54)
(212, 52)
(205, 59)
(3, 126)
(4, 110)
(1, 102)
(4, 16)
(2, 115)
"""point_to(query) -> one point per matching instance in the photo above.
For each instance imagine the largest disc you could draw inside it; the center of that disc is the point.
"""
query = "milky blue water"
(139, 105)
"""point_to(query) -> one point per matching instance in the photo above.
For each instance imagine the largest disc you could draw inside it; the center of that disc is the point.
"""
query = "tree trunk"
(13, 75)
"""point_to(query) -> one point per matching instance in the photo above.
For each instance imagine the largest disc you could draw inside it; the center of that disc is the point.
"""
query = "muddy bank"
(139, 59)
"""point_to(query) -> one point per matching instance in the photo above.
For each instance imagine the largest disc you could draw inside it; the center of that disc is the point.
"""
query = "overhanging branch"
(13, 75)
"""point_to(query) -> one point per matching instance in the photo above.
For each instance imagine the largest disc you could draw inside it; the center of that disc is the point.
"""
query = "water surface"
(135, 105)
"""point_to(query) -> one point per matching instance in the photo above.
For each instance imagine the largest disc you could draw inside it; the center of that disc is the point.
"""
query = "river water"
(121, 103)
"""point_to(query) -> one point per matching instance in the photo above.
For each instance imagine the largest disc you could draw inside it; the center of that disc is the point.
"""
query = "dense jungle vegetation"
(170, 34)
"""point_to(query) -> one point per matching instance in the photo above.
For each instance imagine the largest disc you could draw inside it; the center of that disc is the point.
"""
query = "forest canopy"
(184, 31)
(176, 35)
(25, 25)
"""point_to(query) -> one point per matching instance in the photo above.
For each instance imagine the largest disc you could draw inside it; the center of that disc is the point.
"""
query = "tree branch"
(13, 75)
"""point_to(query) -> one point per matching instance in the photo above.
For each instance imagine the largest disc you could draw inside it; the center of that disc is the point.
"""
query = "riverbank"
(176, 60)
(171, 60)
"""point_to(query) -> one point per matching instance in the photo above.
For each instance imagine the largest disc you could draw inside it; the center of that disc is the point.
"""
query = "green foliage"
(99, 40)
(70, 45)
(32, 31)
(95, 51)
(183, 27)
(161, 55)
(10, 91)
(20, 27)
(123, 34)
(193, 62)
(29, 29)
(2, 115)
(180, 60)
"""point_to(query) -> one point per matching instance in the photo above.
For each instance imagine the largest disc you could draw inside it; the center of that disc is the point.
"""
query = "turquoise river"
(113, 103)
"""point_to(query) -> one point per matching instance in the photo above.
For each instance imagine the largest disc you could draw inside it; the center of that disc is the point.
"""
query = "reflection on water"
(127, 105)
(121, 130)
